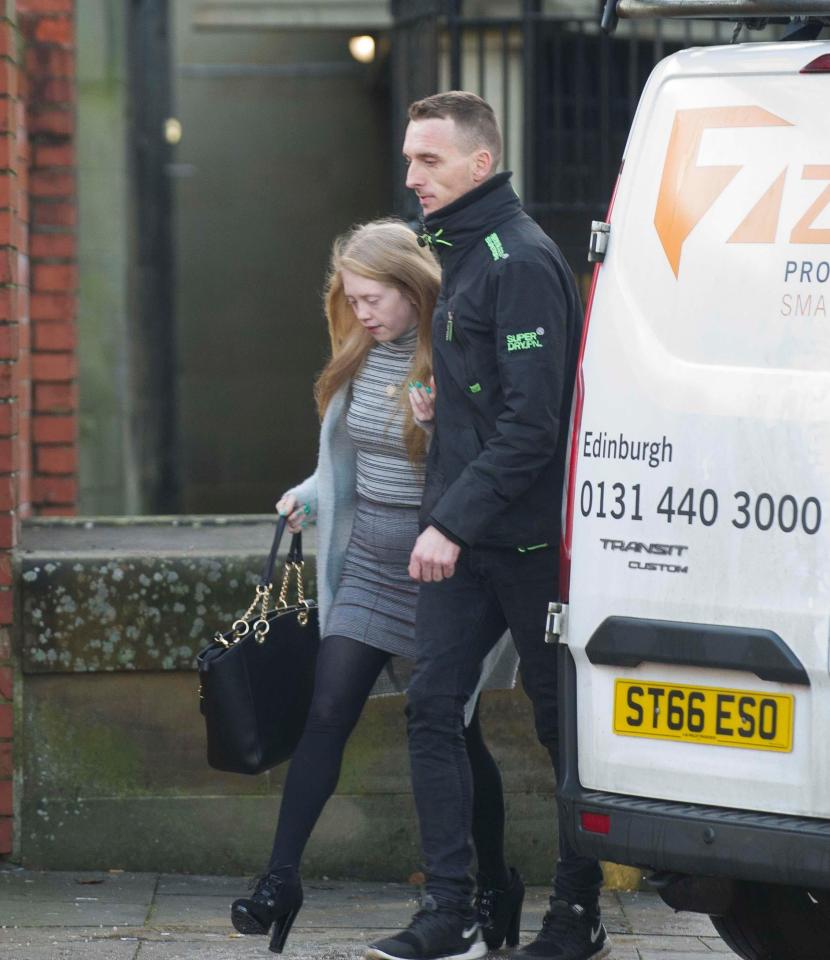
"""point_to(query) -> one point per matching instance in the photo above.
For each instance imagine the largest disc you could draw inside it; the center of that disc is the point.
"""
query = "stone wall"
(113, 754)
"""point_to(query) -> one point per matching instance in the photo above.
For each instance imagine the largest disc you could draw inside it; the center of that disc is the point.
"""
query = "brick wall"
(38, 408)
(48, 28)
(15, 387)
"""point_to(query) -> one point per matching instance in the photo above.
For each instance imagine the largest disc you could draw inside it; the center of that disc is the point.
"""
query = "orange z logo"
(688, 190)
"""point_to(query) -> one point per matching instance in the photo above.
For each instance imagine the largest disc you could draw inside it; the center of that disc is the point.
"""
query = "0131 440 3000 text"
(743, 509)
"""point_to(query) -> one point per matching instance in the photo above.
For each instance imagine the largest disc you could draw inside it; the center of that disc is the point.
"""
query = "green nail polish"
(306, 508)
(418, 383)
(429, 389)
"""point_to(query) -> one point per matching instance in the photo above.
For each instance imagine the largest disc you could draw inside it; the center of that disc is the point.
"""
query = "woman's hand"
(422, 401)
(296, 512)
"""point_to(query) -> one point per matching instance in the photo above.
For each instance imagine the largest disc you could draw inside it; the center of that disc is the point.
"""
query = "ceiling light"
(362, 48)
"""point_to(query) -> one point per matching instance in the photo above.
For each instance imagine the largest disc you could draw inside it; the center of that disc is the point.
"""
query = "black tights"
(346, 672)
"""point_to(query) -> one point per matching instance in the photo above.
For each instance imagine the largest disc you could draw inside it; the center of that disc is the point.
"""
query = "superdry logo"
(689, 189)
(522, 341)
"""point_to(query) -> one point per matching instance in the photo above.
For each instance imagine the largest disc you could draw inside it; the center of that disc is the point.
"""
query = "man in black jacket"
(506, 333)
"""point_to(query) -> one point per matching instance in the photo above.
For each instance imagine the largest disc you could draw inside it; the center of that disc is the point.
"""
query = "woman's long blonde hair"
(386, 251)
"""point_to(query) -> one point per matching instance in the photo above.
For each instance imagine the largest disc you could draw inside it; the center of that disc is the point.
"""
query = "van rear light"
(595, 822)
(819, 65)
(576, 423)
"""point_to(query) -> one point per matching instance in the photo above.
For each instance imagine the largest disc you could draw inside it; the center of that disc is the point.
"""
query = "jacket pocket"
(458, 354)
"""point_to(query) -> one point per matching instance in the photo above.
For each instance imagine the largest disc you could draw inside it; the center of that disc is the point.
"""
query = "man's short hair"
(473, 117)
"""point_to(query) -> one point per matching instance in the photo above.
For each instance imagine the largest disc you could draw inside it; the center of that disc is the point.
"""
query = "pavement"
(143, 916)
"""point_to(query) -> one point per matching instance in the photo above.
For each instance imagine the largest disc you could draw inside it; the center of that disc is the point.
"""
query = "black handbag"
(256, 680)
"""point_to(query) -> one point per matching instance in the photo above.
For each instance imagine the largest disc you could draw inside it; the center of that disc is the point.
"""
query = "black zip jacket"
(505, 338)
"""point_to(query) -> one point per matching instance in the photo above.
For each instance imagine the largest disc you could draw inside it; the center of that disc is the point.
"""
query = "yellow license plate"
(733, 718)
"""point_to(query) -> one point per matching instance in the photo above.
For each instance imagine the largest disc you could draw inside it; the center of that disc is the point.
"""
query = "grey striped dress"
(375, 599)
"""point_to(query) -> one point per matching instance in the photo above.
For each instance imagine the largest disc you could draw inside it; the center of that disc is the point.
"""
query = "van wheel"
(768, 922)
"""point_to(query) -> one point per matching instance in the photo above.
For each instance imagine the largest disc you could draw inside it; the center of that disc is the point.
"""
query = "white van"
(695, 636)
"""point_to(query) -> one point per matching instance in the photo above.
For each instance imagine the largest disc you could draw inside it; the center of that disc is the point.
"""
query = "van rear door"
(700, 575)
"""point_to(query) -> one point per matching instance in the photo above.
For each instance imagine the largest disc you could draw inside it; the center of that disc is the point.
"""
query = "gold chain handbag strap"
(263, 598)
(295, 567)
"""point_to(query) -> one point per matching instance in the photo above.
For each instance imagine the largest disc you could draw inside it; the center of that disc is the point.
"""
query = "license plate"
(733, 718)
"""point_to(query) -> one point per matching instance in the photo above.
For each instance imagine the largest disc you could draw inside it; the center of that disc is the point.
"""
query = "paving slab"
(701, 951)
(121, 916)
(647, 914)
(672, 948)
(63, 951)
(115, 886)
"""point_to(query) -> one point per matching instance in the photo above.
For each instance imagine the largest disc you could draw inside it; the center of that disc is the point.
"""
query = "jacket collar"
(453, 229)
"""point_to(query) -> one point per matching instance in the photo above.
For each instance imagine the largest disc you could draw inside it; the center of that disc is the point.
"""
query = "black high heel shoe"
(276, 901)
(500, 911)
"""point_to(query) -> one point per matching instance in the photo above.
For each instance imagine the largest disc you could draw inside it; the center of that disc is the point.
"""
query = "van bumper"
(684, 838)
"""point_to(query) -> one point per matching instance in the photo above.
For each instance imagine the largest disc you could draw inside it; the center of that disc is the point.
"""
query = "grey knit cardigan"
(330, 493)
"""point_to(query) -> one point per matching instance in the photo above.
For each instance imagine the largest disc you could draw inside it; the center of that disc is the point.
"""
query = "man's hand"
(433, 557)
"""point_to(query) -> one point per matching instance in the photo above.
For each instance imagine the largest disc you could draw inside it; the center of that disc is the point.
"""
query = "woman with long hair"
(364, 497)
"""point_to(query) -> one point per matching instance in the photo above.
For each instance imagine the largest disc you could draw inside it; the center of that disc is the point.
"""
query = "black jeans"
(458, 621)
(346, 672)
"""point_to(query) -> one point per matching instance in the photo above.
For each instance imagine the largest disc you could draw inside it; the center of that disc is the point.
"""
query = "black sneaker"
(435, 933)
(569, 932)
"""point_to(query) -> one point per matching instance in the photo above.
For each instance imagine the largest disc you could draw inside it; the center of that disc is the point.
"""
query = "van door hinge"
(556, 623)
(598, 244)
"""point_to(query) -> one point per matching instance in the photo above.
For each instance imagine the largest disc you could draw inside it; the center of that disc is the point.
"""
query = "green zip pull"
(427, 239)
(449, 324)
(536, 546)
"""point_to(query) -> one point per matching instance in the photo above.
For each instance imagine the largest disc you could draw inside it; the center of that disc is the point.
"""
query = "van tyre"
(768, 922)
